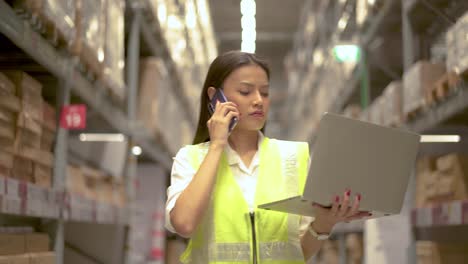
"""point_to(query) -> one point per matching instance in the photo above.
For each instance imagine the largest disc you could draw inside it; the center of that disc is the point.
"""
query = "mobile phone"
(219, 96)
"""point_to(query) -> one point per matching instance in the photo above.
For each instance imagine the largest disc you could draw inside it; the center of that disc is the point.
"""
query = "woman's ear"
(211, 91)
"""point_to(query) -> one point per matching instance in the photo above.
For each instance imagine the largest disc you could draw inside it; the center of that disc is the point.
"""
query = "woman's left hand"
(344, 209)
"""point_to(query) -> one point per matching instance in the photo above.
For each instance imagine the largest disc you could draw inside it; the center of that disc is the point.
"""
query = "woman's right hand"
(218, 124)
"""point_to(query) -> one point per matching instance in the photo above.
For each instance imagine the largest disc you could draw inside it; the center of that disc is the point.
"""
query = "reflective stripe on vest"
(225, 234)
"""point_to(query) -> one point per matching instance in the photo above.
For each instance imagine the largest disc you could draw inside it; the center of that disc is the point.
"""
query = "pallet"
(446, 85)
(411, 115)
(442, 88)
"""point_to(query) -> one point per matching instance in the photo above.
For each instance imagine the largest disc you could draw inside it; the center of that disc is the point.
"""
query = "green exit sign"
(347, 53)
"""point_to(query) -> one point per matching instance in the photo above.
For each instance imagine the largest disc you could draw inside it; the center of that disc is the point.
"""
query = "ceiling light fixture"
(248, 10)
(101, 137)
(440, 138)
(136, 150)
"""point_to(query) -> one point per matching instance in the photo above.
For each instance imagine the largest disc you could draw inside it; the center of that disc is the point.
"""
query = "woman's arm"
(193, 201)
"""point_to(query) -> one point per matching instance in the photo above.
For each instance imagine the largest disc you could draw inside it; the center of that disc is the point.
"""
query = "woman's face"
(248, 87)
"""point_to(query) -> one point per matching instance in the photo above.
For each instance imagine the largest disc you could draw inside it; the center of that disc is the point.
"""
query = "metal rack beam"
(63, 67)
(444, 14)
(454, 105)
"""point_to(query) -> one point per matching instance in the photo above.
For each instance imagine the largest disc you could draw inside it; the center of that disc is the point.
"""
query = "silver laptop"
(373, 160)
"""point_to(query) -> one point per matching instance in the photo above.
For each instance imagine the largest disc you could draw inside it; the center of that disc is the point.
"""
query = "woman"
(217, 182)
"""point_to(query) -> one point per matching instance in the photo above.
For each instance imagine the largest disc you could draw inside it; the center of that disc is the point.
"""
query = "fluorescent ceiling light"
(248, 22)
(249, 35)
(371, 2)
(248, 46)
(248, 7)
(103, 137)
(190, 15)
(440, 138)
(136, 150)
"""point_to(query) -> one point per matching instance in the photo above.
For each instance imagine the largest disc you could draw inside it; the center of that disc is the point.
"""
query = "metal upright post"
(408, 36)
(60, 165)
(409, 57)
(133, 57)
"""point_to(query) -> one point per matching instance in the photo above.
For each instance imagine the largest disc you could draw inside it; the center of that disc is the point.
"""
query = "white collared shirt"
(246, 177)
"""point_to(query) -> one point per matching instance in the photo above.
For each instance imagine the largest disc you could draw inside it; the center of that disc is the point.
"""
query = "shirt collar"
(234, 158)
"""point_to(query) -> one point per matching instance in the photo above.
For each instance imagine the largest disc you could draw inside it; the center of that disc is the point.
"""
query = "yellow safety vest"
(229, 233)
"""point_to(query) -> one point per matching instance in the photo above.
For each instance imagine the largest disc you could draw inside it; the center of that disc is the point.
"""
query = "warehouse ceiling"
(277, 23)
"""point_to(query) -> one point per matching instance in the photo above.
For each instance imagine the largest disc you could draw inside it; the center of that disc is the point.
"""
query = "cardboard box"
(417, 81)
(10, 103)
(429, 252)
(37, 242)
(150, 85)
(47, 140)
(6, 86)
(75, 181)
(15, 259)
(12, 244)
(352, 111)
(26, 138)
(7, 116)
(7, 130)
(375, 111)
(25, 121)
(42, 258)
(393, 104)
(42, 175)
(6, 159)
(4, 172)
(441, 180)
(36, 155)
(22, 169)
(29, 91)
(90, 34)
(49, 117)
(453, 176)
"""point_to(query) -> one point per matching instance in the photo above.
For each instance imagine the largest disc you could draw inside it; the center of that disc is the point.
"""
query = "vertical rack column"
(133, 57)
(60, 169)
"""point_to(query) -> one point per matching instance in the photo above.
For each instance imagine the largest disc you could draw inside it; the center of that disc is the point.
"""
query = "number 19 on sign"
(73, 117)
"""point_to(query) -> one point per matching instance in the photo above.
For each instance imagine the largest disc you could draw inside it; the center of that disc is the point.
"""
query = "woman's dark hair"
(219, 70)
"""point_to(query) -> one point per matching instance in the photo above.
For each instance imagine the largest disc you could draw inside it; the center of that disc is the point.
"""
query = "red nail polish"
(359, 197)
(337, 199)
(348, 193)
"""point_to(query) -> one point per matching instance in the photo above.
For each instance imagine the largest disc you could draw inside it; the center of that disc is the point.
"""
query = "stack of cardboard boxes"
(392, 111)
(429, 252)
(94, 185)
(441, 179)
(160, 110)
(9, 108)
(417, 82)
(26, 153)
(457, 46)
(25, 248)
(92, 30)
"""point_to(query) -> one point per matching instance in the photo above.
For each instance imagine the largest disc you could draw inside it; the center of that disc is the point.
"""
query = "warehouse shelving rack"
(28, 200)
(422, 22)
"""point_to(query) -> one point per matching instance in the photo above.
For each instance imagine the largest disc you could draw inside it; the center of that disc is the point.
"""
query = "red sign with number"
(73, 117)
